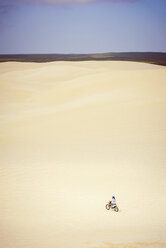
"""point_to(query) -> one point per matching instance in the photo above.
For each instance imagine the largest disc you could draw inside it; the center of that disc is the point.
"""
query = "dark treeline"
(147, 57)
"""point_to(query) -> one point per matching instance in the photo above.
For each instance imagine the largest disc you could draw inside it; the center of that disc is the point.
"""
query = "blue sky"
(82, 26)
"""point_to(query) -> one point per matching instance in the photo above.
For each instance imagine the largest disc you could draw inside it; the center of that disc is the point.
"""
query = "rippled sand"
(72, 134)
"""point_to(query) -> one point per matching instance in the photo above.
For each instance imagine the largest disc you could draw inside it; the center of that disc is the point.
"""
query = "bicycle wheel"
(116, 209)
(107, 207)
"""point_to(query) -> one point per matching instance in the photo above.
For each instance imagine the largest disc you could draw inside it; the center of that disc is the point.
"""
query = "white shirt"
(113, 201)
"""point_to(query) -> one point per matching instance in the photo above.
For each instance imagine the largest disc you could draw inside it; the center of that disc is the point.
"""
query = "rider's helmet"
(113, 197)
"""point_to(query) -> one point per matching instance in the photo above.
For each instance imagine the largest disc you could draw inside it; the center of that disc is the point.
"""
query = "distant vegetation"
(147, 57)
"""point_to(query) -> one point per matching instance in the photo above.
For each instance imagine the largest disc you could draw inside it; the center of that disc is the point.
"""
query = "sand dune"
(72, 134)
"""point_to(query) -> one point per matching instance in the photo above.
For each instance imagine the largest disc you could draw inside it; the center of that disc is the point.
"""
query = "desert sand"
(72, 134)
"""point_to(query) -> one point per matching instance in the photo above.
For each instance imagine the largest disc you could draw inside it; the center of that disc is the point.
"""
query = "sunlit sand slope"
(72, 134)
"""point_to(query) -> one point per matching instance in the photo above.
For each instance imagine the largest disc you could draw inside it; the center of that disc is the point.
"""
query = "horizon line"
(78, 53)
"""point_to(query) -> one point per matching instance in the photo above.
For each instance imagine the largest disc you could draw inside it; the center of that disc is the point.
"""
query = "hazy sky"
(82, 26)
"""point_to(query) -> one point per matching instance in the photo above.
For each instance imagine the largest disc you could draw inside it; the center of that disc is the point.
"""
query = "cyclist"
(113, 202)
